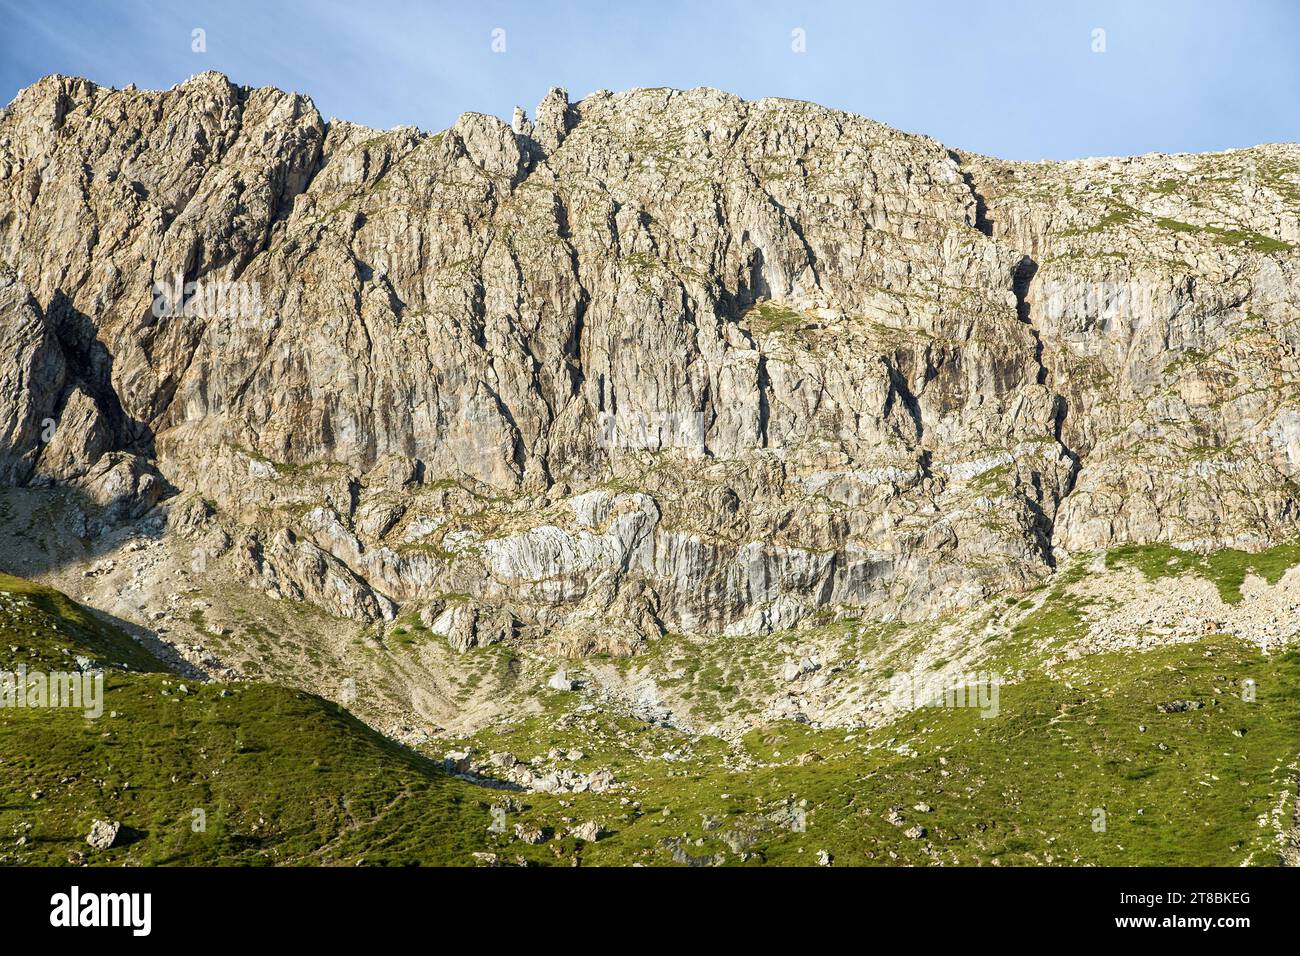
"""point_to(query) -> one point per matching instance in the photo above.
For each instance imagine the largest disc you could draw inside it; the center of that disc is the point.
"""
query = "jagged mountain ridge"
(661, 360)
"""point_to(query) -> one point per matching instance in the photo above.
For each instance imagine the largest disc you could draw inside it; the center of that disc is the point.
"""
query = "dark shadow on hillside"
(40, 527)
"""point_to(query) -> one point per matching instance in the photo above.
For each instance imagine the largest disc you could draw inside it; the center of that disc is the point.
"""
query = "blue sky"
(1010, 78)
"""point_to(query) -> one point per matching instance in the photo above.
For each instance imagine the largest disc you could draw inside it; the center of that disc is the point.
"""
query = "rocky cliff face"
(657, 360)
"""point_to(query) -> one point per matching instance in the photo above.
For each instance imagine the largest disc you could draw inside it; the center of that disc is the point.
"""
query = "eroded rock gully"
(658, 360)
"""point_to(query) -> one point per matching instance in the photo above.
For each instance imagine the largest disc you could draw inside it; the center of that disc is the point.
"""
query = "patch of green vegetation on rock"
(1186, 358)
(1255, 241)
(1122, 214)
(993, 479)
(1227, 568)
(769, 317)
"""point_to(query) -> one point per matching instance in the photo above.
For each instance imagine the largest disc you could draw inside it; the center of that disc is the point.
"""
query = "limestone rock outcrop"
(656, 360)
(32, 373)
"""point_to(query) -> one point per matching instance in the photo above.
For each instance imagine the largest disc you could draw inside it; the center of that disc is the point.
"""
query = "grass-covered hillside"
(280, 776)
(1205, 785)
(1186, 754)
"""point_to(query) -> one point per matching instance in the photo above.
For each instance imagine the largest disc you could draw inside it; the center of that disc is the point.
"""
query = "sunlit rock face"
(652, 360)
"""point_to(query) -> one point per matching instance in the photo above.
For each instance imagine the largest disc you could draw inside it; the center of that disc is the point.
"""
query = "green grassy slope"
(1019, 788)
(281, 776)
(287, 778)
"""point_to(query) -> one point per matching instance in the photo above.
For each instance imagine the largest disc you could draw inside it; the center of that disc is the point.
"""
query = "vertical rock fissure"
(1020, 286)
(982, 221)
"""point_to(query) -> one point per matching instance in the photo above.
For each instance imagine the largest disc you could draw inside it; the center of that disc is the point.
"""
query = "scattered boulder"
(103, 834)
(456, 761)
(530, 834)
(588, 832)
(740, 839)
(1179, 706)
(504, 760)
(793, 670)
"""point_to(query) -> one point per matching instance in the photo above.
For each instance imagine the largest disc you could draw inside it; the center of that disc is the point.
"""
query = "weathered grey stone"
(588, 832)
(32, 373)
(103, 834)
